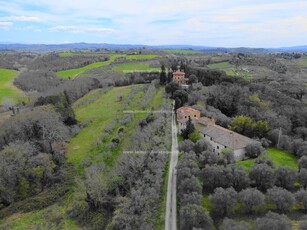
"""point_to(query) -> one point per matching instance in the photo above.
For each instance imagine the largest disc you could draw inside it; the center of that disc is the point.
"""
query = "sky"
(219, 23)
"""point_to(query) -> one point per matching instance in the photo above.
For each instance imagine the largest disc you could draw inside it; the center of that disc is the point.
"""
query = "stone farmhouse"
(179, 78)
(218, 136)
(183, 115)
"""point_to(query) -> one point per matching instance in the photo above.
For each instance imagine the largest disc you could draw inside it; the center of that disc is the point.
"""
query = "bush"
(229, 224)
(223, 200)
(273, 221)
(195, 136)
(282, 198)
(254, 150)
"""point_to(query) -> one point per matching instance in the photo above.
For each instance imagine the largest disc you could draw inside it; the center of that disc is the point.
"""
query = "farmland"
(134, 67)
(182, 51)
(9, 93)
(72, 73)
(231, 70)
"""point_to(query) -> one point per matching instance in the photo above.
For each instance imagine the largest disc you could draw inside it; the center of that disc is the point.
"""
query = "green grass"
(41, 219)
(230, 70)
(96, 115)
(72, 73)
(182, 51)
(68, 54)
(134, 67)
(142, 57)
(85, 53)
(302, 61)
(279, 157)
(9, 92)
(206, 203)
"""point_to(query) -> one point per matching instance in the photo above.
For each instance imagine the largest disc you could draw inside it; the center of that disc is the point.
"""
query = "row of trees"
(225, 200)
(127, 196)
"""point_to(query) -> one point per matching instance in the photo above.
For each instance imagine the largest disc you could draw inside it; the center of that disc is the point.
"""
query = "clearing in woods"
(9, 93)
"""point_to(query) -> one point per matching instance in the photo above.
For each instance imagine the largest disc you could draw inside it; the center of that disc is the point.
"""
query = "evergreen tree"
(162, 75)
(188, 130)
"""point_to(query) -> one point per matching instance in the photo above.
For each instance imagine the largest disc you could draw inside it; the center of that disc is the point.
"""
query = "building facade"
(221, 138)
(179, 78)
(183, 114)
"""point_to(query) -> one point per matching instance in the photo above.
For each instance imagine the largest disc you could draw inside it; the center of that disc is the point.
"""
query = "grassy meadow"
(230, 70)
(182, 51)
(9, 93)
(142, 57)
(279, 157)
(72, 73)
(134, 67)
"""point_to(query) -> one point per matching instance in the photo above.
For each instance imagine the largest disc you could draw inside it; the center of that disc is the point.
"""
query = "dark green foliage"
(285, 177)
(273, 221)
(25, 172)
(249, 127)
(262, 176)
(182, 95)
(240, 179)
(62, 106)
(171, 87)
(215, 176)
(42, 126)
(251, 198)
(229, 224)
(223, 200)
(254, 150)
(282, 198)
(302, 177)
(302, 163)
(188, 130)
(301, 198)
(163, 75)
(194, 216)
(193, 79)
(265, 160)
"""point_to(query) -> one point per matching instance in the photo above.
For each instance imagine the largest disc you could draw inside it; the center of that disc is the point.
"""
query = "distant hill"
(93, 46)
(295, 48)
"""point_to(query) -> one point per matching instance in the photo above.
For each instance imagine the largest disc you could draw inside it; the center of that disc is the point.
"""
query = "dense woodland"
(127, 195)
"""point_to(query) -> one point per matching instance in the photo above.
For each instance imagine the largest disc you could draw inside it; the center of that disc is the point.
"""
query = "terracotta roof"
(226, 137)
(178, 72)
(186, 109)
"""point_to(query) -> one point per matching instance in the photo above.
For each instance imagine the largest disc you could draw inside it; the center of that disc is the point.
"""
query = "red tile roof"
(186, 109)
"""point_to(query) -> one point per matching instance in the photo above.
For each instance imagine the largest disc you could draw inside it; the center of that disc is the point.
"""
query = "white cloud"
(82, 29)
(21, 18)
(5, 25)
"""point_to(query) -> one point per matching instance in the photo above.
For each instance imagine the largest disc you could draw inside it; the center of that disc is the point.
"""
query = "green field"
(8, 92)
(85, 53)
(302, 62)
(230, 70)
(142, 57)
(72, 73)
(95, 115)
(279, 157)
(135, 67)
(182, 51)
